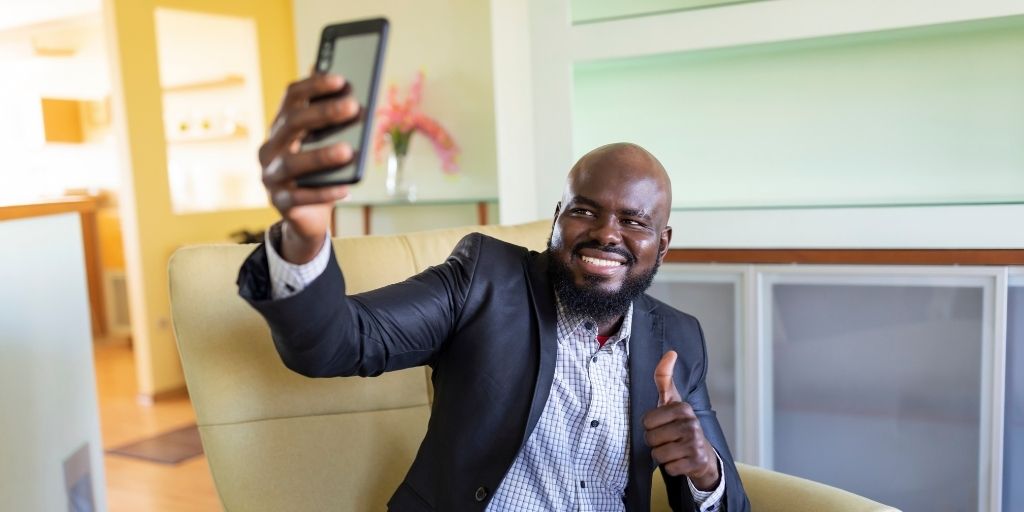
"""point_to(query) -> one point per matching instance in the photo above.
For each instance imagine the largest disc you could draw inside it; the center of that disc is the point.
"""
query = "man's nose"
(607, 232)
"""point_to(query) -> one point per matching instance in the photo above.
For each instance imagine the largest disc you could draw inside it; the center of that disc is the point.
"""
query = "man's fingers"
(670, 423)
(285, 199)
(669, 453)
(299, 93)
(686, 465)
(287, 129)
(667, 392)
(290, 166)
(330, 111)
(673, 431)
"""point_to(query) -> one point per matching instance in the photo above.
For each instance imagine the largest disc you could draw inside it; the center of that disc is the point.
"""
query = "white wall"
(34, 167)
(533, 75)
(47, 380)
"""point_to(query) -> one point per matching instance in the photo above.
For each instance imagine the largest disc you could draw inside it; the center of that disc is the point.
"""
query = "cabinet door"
(877, 385)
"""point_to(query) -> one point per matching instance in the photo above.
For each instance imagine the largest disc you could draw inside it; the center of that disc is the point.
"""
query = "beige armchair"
(277, 441)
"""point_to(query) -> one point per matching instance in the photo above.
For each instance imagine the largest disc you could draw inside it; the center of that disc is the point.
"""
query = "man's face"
(609, 234)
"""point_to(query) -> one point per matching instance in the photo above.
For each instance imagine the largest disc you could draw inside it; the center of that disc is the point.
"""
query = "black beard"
(589, 301)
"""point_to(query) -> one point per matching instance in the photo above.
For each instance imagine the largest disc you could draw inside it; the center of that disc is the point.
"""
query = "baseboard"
(149, 399)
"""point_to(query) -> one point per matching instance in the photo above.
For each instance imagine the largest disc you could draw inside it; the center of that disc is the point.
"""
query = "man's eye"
(581, 211)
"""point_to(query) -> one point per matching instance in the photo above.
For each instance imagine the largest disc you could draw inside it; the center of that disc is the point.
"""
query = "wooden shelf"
(215, 83)
(1000, 257)
(240, 134)
(368, 206)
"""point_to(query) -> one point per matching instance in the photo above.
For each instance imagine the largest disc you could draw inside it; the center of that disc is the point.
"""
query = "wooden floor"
(136, 485)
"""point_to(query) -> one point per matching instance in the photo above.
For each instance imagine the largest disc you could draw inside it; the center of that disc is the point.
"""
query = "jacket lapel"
(646, 344)
(544, 310)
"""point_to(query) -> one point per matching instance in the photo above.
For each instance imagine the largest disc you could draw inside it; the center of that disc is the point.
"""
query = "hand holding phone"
(354, 50)
(320, 104)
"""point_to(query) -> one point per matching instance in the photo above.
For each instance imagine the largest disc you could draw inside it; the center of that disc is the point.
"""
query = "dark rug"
(167, 448)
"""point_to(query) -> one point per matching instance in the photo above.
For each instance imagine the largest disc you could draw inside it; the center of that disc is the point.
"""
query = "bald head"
(612, 165)
(610, 232)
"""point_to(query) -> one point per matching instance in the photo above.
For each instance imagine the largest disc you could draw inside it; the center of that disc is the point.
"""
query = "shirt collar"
(585, 325)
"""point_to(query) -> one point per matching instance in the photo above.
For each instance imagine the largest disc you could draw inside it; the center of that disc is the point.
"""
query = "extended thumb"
(667, 392)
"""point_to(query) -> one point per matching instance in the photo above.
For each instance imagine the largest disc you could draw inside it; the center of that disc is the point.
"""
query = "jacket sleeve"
(322, 332)
(735, 498)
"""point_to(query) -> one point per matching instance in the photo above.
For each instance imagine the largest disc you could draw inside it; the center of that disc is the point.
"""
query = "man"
(559, 385)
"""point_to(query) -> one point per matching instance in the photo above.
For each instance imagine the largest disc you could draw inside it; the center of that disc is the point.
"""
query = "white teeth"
(601, 263)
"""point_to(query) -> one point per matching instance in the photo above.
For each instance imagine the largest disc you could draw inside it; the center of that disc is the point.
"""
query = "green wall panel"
(929, 115)
(584, 11)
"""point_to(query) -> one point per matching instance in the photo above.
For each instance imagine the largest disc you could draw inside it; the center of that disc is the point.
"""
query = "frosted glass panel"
(47, 380)
(714, 304)
(876, 390)
(1013, 460)
(915, 116)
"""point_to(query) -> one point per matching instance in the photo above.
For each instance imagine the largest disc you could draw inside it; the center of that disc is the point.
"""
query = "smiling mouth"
(601, 262)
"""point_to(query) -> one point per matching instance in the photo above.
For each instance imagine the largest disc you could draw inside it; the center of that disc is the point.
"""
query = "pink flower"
(398, 120)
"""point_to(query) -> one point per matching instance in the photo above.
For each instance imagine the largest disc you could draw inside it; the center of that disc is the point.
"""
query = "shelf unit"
(239, 134)
(225, 81)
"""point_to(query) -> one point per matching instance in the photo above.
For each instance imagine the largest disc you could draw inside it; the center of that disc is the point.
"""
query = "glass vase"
(397, 184)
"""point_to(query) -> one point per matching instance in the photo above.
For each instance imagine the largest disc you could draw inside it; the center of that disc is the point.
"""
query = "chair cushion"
(331, 462)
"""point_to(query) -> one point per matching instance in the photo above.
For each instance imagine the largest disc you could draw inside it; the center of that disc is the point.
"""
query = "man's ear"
(554, 220)
(663, 241)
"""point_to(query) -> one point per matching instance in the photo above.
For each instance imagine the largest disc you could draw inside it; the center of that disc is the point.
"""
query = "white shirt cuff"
(287, 279)
(708, 501)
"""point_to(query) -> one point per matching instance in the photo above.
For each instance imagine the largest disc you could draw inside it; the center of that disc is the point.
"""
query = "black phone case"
(337, 176)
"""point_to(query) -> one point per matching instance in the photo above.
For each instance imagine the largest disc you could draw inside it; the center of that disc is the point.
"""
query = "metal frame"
(1014, 279)
(993, 405)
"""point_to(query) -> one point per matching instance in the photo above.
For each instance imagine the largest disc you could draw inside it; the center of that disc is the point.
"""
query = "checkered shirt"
(577, 457)
(287, 279)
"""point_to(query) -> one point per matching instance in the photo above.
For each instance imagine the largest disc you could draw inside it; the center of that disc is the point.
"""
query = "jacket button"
(481, 493)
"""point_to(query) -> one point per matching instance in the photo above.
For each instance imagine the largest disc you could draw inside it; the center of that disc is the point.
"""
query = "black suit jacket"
(484, 320)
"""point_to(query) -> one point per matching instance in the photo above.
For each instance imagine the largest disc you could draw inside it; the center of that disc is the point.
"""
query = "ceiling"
(19, 13)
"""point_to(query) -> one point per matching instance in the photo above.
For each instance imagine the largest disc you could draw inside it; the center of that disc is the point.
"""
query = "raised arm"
(317, 329)
(321, 332)
(305, 212)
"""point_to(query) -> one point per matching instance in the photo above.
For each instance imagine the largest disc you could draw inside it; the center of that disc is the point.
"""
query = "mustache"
(614, 249)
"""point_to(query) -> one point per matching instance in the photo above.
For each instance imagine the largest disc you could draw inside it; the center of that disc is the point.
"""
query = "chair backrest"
(276, 440)
(771, 491)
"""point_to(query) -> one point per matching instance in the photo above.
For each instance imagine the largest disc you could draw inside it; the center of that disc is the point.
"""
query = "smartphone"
(354, 50)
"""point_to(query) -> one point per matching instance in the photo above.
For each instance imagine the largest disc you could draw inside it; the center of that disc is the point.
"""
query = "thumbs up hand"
(674, 433)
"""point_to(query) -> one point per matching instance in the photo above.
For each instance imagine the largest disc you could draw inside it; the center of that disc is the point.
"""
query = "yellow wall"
(151, 231)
